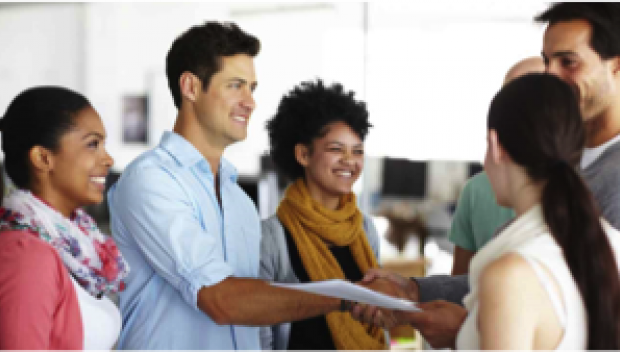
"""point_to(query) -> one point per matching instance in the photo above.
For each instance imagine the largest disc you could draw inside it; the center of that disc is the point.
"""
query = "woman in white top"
(550, 279)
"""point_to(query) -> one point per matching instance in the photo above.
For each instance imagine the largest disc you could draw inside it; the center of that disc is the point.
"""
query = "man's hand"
(377, 316)
(390, 284)
(407, 288)
(439, 322)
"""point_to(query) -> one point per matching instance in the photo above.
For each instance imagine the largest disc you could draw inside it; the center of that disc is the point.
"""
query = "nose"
(108, 160)
(347, 158)
(553, 68)
(248, 100)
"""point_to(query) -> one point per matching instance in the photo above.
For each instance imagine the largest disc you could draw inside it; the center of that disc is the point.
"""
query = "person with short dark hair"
(582, 46)
(200, 51)
(190, 233)
(57, 267)
(316, 139)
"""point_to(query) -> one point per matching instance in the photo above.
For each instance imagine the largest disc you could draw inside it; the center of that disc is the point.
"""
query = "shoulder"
(510, 264)
(27, 259)
(506, 277)
(274, 256)
(369, 227)
(612, 153)
(272, 232)
(367, 222)
(479, 179)
(470, 191)
(23, 246)
(477, 182)
(271, 225)
(147, 177)
(153, 163)
(607, 165)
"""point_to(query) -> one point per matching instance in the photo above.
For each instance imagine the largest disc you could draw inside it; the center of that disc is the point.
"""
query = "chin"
(343, 191)
(94, 200)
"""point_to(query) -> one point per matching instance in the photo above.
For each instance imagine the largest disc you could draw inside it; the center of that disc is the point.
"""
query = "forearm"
(254, 302)
(443, 287)
(462, 258)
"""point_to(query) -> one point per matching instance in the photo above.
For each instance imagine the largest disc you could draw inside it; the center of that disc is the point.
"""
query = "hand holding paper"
(352, 292)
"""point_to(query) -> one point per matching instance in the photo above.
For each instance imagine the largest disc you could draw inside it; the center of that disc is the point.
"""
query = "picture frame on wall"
(135, 120)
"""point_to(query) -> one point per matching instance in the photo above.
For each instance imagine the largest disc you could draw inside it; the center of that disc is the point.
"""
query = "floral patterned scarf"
(91, 257)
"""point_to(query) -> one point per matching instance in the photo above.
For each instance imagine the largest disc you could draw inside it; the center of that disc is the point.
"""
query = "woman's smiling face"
(334, 161)
(80, 164)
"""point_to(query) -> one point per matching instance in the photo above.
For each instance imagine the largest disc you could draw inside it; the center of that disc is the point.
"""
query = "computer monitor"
(474, 168)
(404, 178)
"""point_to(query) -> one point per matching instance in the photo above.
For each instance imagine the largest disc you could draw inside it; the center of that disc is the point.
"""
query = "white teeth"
(344, 173)
(240, 118)
(100, 180)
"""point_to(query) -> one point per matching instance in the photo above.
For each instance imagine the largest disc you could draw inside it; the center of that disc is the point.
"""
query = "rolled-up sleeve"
(159, 217)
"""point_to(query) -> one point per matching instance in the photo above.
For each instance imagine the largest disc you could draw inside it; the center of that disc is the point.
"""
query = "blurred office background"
(427, 71)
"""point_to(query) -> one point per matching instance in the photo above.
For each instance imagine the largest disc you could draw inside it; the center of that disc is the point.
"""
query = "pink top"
(38, 304)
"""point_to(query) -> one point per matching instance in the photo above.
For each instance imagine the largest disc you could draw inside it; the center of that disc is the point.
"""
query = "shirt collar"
(590, 155)
(187, 155)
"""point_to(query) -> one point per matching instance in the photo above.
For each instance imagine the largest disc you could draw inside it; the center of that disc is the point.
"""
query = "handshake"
(438, 321)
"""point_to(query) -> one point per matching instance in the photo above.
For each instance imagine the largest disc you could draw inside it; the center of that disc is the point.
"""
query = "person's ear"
(615, 62)
(302, 154)
(498, 155)
(190, 86)
(42, 159)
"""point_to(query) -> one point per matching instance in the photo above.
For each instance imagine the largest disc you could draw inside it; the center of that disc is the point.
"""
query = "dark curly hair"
(199, 50)
(304, 114)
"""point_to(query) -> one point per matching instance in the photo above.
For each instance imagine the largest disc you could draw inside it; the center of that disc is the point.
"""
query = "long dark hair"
(538, 123)
(38, 116)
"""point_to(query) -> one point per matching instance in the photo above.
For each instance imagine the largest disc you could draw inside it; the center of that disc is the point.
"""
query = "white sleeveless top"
(101, 320)
(542, 250)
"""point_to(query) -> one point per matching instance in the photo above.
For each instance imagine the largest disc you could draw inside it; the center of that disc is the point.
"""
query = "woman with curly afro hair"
(318, 233)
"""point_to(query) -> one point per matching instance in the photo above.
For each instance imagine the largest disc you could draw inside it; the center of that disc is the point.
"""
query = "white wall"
(126, 46)
(299, 42)
(40, 44)
(428, 70)
(434, 68)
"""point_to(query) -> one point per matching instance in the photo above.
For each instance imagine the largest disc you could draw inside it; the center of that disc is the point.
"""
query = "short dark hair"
(199, 50)
(304, 114)
(603, 17)
(38, 116)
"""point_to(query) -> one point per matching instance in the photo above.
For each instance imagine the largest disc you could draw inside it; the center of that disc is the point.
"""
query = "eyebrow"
(243, 81)
(560, 53)
(96, 134)
(360, 145)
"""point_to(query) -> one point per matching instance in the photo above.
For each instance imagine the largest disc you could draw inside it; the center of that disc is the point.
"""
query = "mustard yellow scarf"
(313, 228)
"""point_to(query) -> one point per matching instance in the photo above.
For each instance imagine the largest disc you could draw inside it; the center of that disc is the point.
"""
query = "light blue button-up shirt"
(169, 227)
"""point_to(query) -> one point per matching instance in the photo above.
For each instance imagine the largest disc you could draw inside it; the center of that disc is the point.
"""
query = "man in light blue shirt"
(188, 231)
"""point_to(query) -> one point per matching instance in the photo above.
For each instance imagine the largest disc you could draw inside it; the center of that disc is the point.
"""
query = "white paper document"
(352, 292)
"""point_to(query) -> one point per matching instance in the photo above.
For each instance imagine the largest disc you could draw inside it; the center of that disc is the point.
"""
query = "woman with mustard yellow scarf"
(318, 233)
